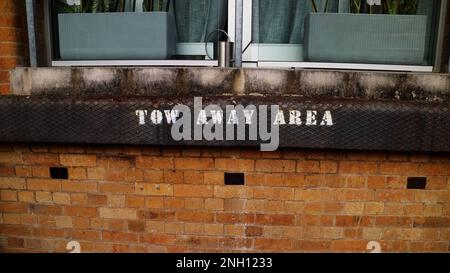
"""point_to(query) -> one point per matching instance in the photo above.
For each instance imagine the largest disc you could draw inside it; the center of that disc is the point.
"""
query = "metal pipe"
(30, 9)
(238, 33)
(440, 37)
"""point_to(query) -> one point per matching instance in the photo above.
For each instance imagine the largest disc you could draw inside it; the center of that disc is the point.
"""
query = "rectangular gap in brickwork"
(417, 183)
(59, 173)
(234, 179)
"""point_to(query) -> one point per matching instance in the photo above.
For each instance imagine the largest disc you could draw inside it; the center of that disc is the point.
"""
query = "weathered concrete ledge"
(175, 82)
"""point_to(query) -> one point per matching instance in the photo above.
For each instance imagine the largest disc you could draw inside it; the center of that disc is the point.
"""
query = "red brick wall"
(13, 39)
(128, 199)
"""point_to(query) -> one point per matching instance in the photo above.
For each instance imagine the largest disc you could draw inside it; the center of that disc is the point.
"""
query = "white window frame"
(171, 63)
(251, 55)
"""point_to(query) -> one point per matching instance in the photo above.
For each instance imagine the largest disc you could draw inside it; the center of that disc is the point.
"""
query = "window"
(403, 35)
(360, 34)
(137, 32)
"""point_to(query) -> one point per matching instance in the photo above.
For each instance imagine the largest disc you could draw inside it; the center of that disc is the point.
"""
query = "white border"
(351, 66)
(137, 63)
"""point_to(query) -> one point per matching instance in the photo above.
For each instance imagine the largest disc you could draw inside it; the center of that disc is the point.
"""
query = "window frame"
(93, 63)
(251, 55)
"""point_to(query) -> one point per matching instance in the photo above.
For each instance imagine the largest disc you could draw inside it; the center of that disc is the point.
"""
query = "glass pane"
(138, 29)
(344, 31)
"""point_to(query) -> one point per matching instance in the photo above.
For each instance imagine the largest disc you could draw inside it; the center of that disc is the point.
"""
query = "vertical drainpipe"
(440, 36)
(30, 8)
(238, 33)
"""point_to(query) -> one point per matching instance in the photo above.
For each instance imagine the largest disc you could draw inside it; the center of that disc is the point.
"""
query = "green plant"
(389, 6)
(95, 6)
(316, 8)
(156, 5)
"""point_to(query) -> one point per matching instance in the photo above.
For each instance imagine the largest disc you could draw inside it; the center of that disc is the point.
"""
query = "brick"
(118, 213)
(315, 181)
(195, 216)
(79, 186)
(154, 202)
(253, 231)
(356, 167)
(434, 169)
(274, 193)
(373, 208)
(413, 209)
(12, 183)
(398, 168)
(173, 177)
(47, 209)
(80, 211)
(63, 222)
(135, 201)
(41, 172)
(75, 160)
(234, 230)
(116, 187)
(10, 158)
(327, 166)
(193, 177)
(43, 185)
(313, 245)
(41, 159)
(214, 204)
(194, 163)
(96, 173)
(314, 195)
(277, 220)
(235, 165)
(265, 244)
(308, 166)
(114, 162)
(129, 175)
(235, 218)
(356, 182)
(87, 235)
(252, 179)
(23, 171)
(43, 197)
(174, 228)
(97, 200)
(393, 221)
(116, 201)
(173, 203)
(314, 208)
(7, 195)
(214, 178)
(334, 207)
(194, 203)
(349, 246)
(77, 173)
(6, 171)
(152, 176)
(26, 196)
(155, 163)
(332, 233)
(275, 166)
(11, 219)
(193, 190)
(213, 229)
(120, 237)
(155, 189)
(233, 192)
(136, 226)
(79, 198)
